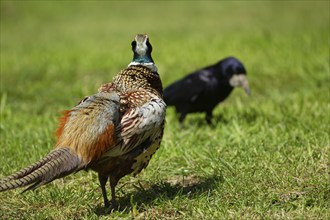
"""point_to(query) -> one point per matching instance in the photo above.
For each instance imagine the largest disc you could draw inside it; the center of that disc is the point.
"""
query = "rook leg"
(181, 119)
(208, 118)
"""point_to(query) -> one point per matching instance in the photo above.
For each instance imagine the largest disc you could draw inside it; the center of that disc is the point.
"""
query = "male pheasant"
(114, 132)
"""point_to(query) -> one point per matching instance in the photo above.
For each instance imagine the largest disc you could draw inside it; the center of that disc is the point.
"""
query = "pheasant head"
(142, 49)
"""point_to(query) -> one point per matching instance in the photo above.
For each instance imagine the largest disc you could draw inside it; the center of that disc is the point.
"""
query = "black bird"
(203, 89)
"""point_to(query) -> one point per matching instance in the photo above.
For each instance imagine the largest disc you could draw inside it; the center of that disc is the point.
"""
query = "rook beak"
(240, 80)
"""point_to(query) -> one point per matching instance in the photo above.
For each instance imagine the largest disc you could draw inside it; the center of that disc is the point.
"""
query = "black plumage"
(203, 89)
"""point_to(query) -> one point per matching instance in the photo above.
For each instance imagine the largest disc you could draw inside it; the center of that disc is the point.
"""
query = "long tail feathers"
(58, 163)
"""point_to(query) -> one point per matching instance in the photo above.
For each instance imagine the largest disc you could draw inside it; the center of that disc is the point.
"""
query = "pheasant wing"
(85, 132)
(138, 124)
(89, 129)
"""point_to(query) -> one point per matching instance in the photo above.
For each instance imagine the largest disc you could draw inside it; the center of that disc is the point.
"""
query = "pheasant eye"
(133, 44)
(149, 46)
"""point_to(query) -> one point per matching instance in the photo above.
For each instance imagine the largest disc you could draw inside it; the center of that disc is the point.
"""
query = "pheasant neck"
(144, 61)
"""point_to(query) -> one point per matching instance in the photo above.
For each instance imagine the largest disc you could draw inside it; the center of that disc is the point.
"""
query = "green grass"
(267, 156)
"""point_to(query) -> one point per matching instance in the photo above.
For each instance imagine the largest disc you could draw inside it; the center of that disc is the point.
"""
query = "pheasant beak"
(141, 44)
(240, 80)
(141, 38)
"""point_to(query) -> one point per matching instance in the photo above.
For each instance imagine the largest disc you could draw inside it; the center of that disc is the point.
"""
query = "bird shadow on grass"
(201, 122)
(248, 117)
(145, 194)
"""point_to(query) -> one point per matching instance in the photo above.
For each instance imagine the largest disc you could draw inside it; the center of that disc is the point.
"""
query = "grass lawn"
(267, 157)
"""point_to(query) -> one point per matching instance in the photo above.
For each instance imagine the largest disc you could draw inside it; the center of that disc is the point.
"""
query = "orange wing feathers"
(89, 128)
(62, 122)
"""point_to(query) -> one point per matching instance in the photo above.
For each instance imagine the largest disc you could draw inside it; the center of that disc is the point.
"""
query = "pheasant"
(203, 89)
(114, 132)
